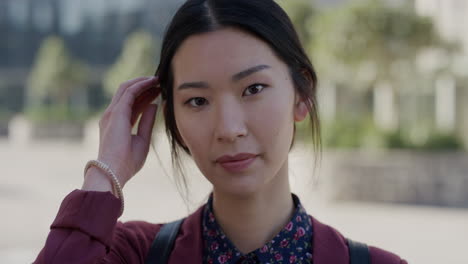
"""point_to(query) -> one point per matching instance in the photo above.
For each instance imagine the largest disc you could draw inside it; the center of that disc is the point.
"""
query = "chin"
(242, 186)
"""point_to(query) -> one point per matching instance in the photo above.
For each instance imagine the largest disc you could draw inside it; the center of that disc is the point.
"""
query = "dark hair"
(262, 18)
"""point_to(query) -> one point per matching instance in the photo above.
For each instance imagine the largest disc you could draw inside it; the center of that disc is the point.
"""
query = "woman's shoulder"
(147, 231)
(138, 229)
(379, 255)
(330, 239)
(136, 235)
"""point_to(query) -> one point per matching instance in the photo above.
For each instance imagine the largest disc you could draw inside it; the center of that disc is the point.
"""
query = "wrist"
(100, 184)
(96, 180)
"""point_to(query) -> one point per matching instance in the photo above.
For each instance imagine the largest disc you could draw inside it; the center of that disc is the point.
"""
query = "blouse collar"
(291, 245)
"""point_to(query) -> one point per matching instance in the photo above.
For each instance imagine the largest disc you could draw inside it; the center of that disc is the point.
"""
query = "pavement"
(37, 176)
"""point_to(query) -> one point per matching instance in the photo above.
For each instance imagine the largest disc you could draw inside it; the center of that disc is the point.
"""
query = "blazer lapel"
(188, 247)
(328, 245)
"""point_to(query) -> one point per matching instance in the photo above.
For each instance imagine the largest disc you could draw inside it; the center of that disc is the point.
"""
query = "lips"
(237, 163)
(237, 157)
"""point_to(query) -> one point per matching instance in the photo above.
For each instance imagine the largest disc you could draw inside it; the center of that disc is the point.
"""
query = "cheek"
(196, 137)
(274, 119)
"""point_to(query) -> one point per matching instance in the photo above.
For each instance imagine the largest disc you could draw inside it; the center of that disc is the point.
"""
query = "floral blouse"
(291, 245)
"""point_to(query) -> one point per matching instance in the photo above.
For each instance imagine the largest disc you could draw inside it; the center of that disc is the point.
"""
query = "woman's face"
(233, 95)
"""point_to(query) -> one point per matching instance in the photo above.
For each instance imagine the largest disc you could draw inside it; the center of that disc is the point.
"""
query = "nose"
(230, 121)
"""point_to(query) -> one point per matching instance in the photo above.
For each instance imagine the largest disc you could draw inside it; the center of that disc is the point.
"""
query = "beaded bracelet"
(115, 182)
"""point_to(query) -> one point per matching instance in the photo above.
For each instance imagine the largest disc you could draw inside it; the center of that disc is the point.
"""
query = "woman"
(234, 79)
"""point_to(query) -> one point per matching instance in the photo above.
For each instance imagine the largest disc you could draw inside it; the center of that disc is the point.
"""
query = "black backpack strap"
(163, 243)
(358, 252)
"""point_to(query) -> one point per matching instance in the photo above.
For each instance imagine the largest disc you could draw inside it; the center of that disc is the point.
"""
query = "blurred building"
(450, 18)
(93, 30)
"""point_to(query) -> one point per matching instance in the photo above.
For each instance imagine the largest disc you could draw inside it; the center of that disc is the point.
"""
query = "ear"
(300, 106)
(300, 110)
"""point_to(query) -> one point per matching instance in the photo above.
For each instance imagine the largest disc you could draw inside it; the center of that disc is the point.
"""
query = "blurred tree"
(54, 81)
(388, 51)
(368, 39)
(138, 58)
(371, 46)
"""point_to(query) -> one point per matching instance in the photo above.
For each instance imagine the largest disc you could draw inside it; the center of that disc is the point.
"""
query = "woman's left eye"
(255, 88)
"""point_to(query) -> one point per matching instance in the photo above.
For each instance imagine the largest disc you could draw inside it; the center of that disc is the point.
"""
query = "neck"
(252, 221)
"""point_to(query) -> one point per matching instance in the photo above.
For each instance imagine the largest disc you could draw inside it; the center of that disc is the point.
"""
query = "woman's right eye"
(197, 100)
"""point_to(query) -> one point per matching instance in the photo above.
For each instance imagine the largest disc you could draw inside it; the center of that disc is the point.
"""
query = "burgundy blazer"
(86, 230)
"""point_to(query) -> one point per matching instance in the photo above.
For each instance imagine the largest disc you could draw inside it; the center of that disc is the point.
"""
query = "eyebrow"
(236, 77)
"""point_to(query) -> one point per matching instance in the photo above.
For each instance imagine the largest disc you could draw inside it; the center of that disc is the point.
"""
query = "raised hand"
(123, 152)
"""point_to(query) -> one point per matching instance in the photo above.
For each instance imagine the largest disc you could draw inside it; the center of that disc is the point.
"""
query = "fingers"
(130, 94)
(142, 102)
(145, 127)
(137, 86)
(124, 86)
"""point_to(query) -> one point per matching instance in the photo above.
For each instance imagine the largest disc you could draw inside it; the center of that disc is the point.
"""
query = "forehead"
(220, 54)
